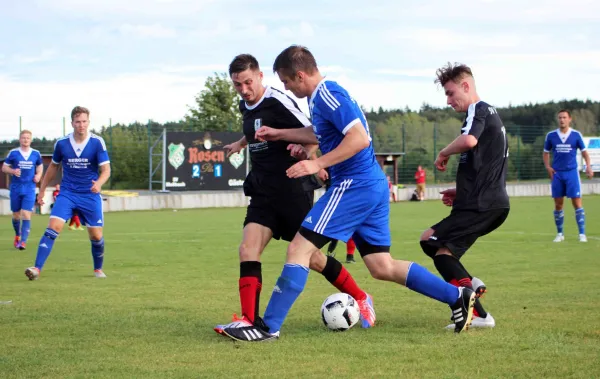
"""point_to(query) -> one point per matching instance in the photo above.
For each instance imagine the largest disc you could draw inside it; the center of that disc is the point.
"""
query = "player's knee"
(380, 268)
(248, 252)
(318, 261)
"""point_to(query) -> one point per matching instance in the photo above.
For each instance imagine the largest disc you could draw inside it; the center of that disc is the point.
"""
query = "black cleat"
(331, 248)
(350, 259)
(258, 332)
(462, 310)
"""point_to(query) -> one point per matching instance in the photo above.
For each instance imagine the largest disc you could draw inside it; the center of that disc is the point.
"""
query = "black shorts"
(283, 215)
(459, 231)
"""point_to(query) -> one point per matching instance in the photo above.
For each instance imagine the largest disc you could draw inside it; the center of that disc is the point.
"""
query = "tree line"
(419, 134)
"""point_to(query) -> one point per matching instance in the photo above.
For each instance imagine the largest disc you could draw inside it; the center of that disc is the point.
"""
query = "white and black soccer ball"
(340, 312)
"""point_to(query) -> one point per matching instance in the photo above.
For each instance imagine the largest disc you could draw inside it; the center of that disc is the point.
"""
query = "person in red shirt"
(420, 179)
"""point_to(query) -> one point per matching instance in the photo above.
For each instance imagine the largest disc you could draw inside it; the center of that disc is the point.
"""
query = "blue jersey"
(80, 162)
(27, 162)
(333, 112)
(564, 148)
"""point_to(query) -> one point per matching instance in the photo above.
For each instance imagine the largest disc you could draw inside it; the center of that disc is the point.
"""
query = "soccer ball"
(340, 312)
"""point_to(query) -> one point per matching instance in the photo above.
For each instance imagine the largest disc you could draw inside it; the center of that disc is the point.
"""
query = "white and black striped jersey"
(481, 175)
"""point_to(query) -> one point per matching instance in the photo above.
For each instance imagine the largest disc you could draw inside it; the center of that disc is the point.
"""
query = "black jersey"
(270, 160)
(481, 175)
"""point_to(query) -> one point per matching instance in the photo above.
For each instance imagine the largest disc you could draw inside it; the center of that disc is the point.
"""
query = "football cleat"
(479, 287)
(350, 259)
(479, 322)
(582, 238)
(22, 246)
(462, 310)
(235, 322)
(559, 238)
(331, 248)
(99, 274)
(367, 312)
(16, 242)
(257, 332)
(32, 273)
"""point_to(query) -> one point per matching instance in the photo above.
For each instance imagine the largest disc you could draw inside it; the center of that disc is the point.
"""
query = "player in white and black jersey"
(479, 202)
(278, 204)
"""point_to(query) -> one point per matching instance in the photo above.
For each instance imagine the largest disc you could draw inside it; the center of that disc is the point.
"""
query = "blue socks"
(420, 280)
(98, 253)
(580, 217)
(25, 229)
(17, 227)
(289, 286)
(45, 247)
(559, 219)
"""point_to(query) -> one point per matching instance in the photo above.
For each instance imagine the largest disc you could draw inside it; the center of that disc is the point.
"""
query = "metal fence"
(134, 148)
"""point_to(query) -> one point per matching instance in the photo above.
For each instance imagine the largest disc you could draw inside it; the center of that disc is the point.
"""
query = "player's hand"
(441, 162)
(303, 168)
(448, 196)
(266, 133)
(589, 172)
(17, 172)
(551, 172)
(233, 148)
(323, 175)
(37, 178)
(40, 197)
(96, 187)
(297, 151)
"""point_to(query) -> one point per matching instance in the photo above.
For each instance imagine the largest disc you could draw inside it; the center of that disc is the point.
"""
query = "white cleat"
(559, 238)
(32, 273)
(582, 238)
(99, 274)
(479, 322)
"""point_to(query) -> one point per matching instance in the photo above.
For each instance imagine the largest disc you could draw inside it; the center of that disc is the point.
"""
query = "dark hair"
(79, 110)
(243, 62)
(452, 72)
(565, 111)
(293, 59)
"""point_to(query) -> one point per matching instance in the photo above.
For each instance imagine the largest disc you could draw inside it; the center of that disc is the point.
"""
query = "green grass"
(173, 275)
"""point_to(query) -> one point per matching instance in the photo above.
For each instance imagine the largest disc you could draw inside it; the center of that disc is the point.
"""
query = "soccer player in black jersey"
(278, 204)
(479, 202)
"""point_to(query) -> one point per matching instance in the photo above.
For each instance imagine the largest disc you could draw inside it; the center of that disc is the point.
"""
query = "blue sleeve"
(39, 161)
(547, 144)
(57, 154)
(9, 161)
(580, 144)
(101, 153)
(341, 111)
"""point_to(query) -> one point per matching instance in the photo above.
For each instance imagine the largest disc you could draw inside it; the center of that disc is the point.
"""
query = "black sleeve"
(475, 122)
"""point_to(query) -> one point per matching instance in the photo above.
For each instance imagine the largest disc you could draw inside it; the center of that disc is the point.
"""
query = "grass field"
(173, 275)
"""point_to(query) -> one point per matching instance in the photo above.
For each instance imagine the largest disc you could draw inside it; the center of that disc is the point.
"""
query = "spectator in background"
(391, 188)
(420, 180)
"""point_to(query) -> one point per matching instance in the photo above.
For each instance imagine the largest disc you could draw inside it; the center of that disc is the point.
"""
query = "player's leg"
(15, 207)
(27, 206)
(331, 248)
(350, 249)
(89, 207)
(573, 191)
(58, 217)
(373, 241)
(558, 193)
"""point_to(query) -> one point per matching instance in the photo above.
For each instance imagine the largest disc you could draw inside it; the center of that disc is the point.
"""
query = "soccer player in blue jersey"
(563, 144)
(25, 166)
(86, 168)
(356, 205)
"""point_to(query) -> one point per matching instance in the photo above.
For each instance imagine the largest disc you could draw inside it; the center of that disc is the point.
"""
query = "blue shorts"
(87, 205)
(22, 198)
(566, 183)
(353, 208)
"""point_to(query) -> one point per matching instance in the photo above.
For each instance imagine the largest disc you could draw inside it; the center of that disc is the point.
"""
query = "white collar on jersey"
(312, 97)
(563, 136)
(25, 154)
(78, 147)
(250, 107)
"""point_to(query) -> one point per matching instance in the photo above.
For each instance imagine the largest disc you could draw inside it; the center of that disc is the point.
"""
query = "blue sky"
(146, 59)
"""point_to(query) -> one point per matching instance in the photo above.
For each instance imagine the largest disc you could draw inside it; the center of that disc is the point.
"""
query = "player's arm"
(236, 146)
(588, 165)
(297, 135)
(104, 174)
(7, 169)
(546, 156)
(39, 171)
(50, 175)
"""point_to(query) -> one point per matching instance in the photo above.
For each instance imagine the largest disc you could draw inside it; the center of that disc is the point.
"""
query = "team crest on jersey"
(176, 156)
(237, 159)
(257, 124)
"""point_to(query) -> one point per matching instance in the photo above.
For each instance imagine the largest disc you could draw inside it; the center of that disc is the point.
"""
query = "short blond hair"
(25, 131)
(79, 110)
